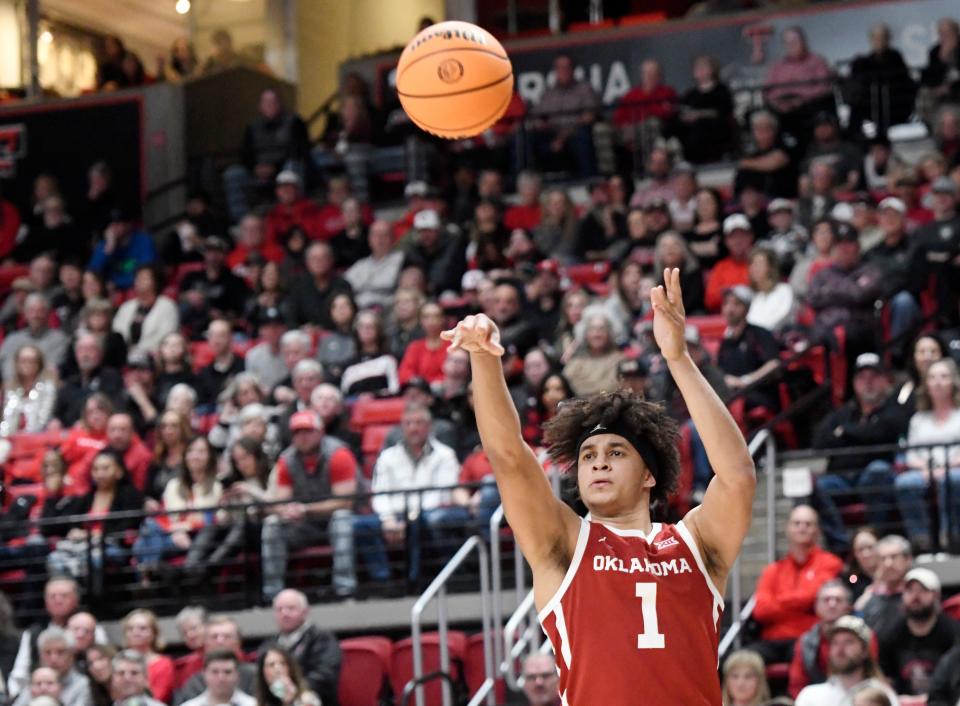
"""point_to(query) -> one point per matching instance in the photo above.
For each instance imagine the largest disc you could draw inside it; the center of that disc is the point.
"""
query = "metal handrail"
(496, 519)
(414, 683)
(438, 589)
(733, 633)
(516, 641)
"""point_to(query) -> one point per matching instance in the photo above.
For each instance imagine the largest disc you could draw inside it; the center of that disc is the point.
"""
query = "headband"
(643, 447)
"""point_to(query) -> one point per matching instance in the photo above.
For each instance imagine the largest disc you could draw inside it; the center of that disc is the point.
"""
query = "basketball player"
(631, 606)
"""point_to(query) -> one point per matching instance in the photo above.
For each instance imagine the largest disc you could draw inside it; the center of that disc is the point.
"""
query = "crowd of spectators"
(208, 373)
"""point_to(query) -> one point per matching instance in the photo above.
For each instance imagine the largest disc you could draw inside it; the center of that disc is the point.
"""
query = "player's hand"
(669, 318)
(475, 334)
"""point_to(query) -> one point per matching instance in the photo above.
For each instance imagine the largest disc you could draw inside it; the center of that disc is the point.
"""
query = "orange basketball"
(454, 79)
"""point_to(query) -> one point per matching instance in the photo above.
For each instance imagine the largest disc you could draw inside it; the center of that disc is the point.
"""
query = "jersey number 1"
(651, 638)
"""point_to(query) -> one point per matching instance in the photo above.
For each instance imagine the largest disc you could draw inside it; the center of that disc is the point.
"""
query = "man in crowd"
(213, 378)
(61, 596)
(829, 147)
(881, 601)
(419, 461)
(819, 202)
(440, 252)
(657, 186)
(128, 684)
(295, 345)
(733, 269)
(911, 647)
(91, 376)
(292, 210)
(44, 681)
(222, 634)
(516, 330)
(748, 354)
(221, 676)
(56, 653)
(252, 238)
(307, 374)
(327, 401)
(315, 650)
(83, 627)
(213, 292)
(540, 680)
(871, 418)
(123, 249)
(564, 119)
(265, 360)
(646, 109)
(787, 589)
(315, 478)
(374, 278)
(53, 343)
(312, 292)
(812, 652)
(935, 248)
(122, 438)
(766, 165)
(526, 213)
(799, 84)
(852, 667)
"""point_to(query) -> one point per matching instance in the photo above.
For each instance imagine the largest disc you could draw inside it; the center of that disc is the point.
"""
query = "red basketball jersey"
(635, 620)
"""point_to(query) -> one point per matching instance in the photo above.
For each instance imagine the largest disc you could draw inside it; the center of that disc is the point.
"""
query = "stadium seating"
(401, 670)
(364, 671)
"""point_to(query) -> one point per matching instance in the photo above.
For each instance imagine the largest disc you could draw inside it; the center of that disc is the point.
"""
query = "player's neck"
(637, 519)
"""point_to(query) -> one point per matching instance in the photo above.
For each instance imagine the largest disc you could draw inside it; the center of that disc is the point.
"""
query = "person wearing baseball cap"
(265, 360)
(936, 245)
(315, 477)
(124, 247)
(921, 635)
(438, 251)
(214, 287)
(851, 667)
(734, 268)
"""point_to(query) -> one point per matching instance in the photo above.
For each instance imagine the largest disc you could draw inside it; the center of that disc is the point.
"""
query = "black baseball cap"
(418, 383)
(845, 233)
(268, 315)
(632, 368)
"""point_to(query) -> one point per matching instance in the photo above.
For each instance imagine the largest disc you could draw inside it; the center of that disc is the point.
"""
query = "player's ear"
(649, 480)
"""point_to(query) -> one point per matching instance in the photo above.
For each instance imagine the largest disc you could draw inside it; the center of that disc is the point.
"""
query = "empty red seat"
(401, 670)
(474, 668)
(710, 327)
(383, 411)
(589, 273)
(373, 437)
(364, 670)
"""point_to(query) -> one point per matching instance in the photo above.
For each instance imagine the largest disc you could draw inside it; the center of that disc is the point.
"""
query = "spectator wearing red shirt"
(293, 209)
(787, 589)
(651, 99)
(330, 216)
(417, 194)
(316, 476)
(87, 437)
(734, 268)
(424, 357)
(122, 439)
(251, 238)
(484, 498)
(191, 624)
(527, 213)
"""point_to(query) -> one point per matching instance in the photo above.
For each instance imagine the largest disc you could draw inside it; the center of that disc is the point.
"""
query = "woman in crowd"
(173, 435)
(936, 421)
(626, 303)
(338, 348)
(705, 114)
(641, 242)
(245, 483)
(552, 390)
(141, 632)
(195, 487)
(294, 242)
(270, 289)
(374, 369)
(173, 365)
(403, 324)
(183, 63)
(424, 357)
(745, 680)
(593, 368)
(28, 399)
(244, 389)
(144, 320)
(927, 349)
(86, 438)
(571, 312)
(773, 305)
(97, 317)
(817, 258)
(280, 681)
(863, 561)
(706, 236)
(100, 672)
(672, 251)
(112, 492)
(557, 232)
(182, 399)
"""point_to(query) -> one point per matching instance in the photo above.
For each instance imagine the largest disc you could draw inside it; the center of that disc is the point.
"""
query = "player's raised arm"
(721, 522)
(545, 528)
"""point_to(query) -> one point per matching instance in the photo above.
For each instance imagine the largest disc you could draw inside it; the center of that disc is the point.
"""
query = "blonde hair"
(750, 660)
(924, 404)
(157, 645)
(871, 696)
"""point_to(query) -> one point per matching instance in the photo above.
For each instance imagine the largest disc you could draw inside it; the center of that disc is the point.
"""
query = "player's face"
(611, 475)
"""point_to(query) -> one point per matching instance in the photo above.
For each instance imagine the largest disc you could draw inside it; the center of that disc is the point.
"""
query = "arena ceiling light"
(182, 7)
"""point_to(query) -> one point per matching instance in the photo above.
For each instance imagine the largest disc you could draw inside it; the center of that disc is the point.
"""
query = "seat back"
(474, 669)
(364, 670)
(401, 670)
(385, 411)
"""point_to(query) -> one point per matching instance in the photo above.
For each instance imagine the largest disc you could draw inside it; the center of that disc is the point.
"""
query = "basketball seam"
(459, 93)
(430, 128)
(448, 49)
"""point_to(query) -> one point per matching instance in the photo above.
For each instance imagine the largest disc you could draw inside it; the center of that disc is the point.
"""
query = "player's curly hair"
(577, 416)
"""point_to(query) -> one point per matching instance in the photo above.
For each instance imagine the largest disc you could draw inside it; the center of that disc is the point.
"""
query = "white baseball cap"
(736, 222)
(427, 219)
(892, 202)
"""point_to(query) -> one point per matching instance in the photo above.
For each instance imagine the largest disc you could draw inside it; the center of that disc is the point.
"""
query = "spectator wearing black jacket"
(440, 252)
(602, 228)
(748, 353)
(225, 364)
(936, 246)
(919, 638)
(893, 256)
(871, 418)
(945, 680)
(213, 292)
(92, 376)
(313, 291)
(940, 75)
(315, 650)
(880, 88)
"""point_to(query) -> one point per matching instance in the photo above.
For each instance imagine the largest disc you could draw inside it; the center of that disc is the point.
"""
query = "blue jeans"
(912, 487)
(153, 543)
(702, 471)
(874, 485)
(904, 313)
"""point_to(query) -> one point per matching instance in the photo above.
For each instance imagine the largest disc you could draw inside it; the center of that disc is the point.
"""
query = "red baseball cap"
(305, 420)
(548, 266)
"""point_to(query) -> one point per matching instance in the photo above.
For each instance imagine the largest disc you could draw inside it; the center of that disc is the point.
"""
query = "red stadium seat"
(710, 327)
(589, 273)
(474, 669)
(364, 671)
(401, 670)
(201, 355)
(645, 18)
(951, 607)
(373, 437)
(24, 489)
(377, 411)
